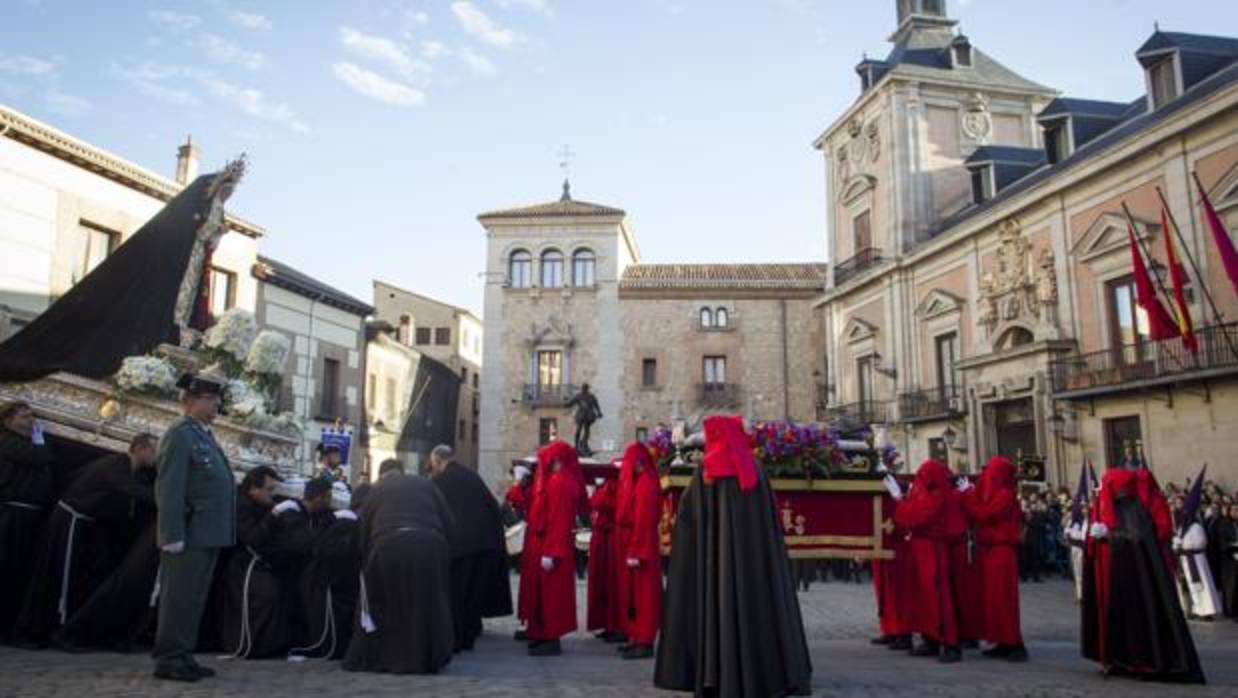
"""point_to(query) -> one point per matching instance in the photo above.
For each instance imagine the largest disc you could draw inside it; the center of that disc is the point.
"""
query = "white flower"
(233, 333)
(268, 353)
(146, 373)
(243, 401)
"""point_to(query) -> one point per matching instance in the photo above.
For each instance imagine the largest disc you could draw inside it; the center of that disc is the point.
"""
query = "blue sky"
(378, 130)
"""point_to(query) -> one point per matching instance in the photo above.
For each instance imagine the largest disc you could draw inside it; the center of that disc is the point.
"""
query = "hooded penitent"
(993, 508)
(1132, 620)
(639, 511)
(547, 601)
(136, 299)
(923, 513)
(732, 624)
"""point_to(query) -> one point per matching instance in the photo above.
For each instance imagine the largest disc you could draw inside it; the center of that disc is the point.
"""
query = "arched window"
(584, 268)
(552, 269)
(720, 317)
(1015, 337)
(520, 269)
(707, 317)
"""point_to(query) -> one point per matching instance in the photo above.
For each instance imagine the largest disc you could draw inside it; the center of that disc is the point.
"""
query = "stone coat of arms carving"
(1016, 290)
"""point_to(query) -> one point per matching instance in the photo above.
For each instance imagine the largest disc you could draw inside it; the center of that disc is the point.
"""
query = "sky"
(377, 130)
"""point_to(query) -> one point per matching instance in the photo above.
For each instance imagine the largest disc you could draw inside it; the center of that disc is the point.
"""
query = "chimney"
(187, 162)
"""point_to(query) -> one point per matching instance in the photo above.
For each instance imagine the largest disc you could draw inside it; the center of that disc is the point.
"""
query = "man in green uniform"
(196, 497)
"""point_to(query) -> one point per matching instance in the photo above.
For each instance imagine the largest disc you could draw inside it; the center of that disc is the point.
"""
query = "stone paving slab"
(838, 620)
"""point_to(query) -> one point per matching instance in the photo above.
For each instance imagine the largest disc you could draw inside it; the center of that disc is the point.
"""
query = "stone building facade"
(445, 333)
(981, 299)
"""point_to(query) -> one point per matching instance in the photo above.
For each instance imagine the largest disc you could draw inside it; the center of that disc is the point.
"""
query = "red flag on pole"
(1225, 246)
(1185, 327)
(1161, 324)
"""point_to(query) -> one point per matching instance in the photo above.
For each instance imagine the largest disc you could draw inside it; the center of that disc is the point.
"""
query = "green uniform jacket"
(194, 491)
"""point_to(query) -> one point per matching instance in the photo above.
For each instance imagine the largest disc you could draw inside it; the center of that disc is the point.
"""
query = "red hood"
(727, 452)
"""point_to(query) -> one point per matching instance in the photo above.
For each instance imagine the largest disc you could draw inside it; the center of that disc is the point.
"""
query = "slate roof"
(284, 276)
(1006, 153)
(1200, 55)
(925, 54)
(565, 206)
(723, 276)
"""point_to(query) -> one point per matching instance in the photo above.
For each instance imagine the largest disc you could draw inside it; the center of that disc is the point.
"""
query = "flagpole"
(1203, 283)
(1169, 301)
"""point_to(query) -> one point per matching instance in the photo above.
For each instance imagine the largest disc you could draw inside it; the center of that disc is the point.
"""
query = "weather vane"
(565, 160)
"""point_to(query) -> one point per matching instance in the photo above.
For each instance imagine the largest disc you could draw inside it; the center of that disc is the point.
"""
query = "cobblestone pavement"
(838, 619)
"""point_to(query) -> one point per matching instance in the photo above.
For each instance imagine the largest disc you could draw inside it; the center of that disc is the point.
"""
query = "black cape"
(480, 581)
(259, 605)
(1145, 632)
(329, 586)
(26, 477)
(118, 613)
(731, 623)
(1224, 541)
(404, 524)
(124, 307)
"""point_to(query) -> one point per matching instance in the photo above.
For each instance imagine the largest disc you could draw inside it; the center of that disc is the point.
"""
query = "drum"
(583, 537)
(515, 538)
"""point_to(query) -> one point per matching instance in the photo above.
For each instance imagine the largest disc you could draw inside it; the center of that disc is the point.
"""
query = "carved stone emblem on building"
(1015, 291)
(873, 134)
(843, 165)
(977, 123)
(857, 144)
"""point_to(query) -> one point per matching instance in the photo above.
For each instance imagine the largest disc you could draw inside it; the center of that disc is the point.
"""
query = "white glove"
(286, 505)
(633, 562)
(1075, 532)
(36, 434)
(548, 563)
(345, 515)
(521, 472)
(174, 548)
(1176, 543)
(965, 485)
(892, 487)
(1099, 530)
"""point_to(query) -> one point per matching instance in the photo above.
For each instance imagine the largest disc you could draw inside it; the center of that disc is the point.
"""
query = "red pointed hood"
(636, 453)
(727, 451)
(932, 476)
(569, 463)
(999, 474)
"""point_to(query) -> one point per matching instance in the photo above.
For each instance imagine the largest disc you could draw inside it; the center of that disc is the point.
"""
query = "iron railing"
(855, 265)
(942, 401)
(717, 394)
(1148, 363)
(536, 395)
(857, 413)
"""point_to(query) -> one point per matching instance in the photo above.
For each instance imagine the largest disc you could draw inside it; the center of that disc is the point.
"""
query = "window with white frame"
(584, 268)
(714, 370)
(707, 317)
(100, 243)
(520, 269)
(721, 318)
(1163, 81)
(552, 269)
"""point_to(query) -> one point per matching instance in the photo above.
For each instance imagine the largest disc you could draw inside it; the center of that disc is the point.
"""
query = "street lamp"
(948, 436)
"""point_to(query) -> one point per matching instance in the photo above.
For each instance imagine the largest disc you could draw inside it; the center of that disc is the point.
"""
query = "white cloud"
(433, 49)
(67, 104)
(419, 17)
(149, 79)
(249, 20)
(541, 6)
(225, 51)
(382, 50)
(183, 85)
(176, 21)
(377, 87)
(253, 102)
(480, 26)
(27, 65)
(479, 63)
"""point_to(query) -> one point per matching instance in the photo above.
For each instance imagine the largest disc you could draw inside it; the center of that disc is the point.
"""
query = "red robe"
(892, 584)
(603, 593)
(641, 586)
(964, 570)
(993, 508)
(547, 600)
(518, 498)
(923, 514)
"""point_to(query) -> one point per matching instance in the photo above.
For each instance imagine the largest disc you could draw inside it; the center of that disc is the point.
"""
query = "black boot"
(883, 640)
(926, 648)
(950, 654)
(1018, 653)
(997, 652)
(900, 642)
(548, 648)
(638, 652)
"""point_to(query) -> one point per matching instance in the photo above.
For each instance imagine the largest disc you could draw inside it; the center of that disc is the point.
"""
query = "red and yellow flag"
(1183, 315)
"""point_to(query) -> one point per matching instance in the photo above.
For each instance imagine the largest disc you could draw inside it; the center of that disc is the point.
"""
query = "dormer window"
(1163, 81)
(961, 52)
(982, 186)
(1057, 141)
(866, 79)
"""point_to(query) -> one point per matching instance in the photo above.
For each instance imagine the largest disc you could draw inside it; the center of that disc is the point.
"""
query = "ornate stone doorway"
(1014, 422)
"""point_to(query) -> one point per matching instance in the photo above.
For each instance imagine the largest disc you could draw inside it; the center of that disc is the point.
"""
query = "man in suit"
(195, 495)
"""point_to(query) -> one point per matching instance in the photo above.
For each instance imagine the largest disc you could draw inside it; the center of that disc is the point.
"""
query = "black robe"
(1225, 540)
(1142, 627)
(88, 529)
(258, 611)
(480, 581)
(406, 587)
(118, 613)
(731, 623)
(27, 489)
(329, 585)
(124, 307)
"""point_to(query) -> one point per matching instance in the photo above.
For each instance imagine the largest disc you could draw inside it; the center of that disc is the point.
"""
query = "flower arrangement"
(890, 457)
(787, 449)
(228, 340)
(150, 375)
(269, 353)
(242, 400)
(661, 447)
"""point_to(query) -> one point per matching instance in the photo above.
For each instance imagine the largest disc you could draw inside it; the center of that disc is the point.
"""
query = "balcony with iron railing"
(717, 395)
(330, 408)
(556, 394)
(864, 259)
(857, 413)
(1148, 364)
(934, 403)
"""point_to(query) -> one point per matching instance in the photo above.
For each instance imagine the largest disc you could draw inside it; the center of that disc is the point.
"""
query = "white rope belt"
(63, 606)
(24, 505)
(367, 621)
(245, 643)
(328, 630)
